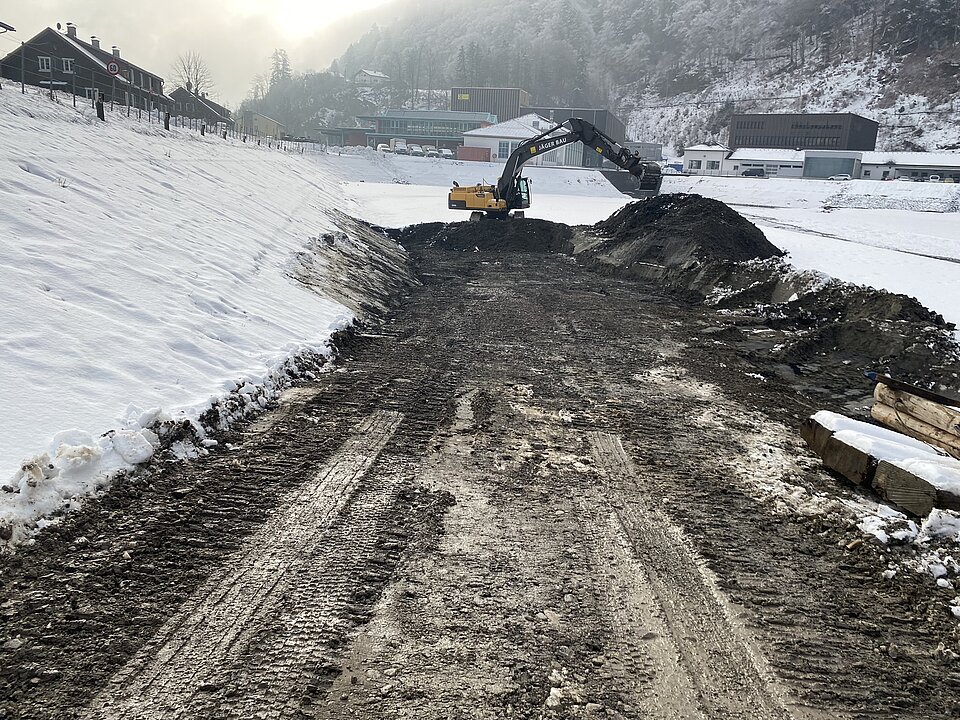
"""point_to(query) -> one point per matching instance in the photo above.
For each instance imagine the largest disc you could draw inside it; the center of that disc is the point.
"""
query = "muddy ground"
(533, 490)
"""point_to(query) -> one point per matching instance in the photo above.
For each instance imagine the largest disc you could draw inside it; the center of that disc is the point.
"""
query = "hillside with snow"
(908, 120)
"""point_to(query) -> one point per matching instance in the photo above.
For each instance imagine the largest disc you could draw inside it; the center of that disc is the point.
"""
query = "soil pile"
(491, 234)
(679, 231)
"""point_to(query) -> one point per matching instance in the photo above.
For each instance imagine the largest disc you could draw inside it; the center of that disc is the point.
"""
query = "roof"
(248, 113)
(207, 102)
(920, 159)
(101, 56)
(521, 128)
(707, 148)
(433, 115)
(374, 73)
(772, 154)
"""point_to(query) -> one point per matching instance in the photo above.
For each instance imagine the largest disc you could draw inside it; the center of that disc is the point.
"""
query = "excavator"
(512, 191)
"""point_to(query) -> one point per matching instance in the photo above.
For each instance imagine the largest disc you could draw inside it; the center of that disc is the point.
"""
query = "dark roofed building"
(199, 107)
(65, 62)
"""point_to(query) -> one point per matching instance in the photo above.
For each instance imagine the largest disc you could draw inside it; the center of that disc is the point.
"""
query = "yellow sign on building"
(463, 96)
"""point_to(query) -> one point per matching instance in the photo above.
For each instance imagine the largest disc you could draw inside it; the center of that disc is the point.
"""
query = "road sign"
(113, 67)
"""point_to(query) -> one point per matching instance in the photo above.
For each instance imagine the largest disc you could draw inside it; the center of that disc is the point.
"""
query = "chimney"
(116, 51)
(95, 41)
(189, 86)
(71, 30)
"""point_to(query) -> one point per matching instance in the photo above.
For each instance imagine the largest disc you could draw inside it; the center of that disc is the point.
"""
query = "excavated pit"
(812, 331)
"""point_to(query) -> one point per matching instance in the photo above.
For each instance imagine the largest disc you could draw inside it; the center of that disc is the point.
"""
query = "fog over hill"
(769, 55)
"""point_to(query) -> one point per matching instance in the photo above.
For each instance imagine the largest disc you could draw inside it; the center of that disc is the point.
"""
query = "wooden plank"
(909, 492)
(914, 427)
(855, 465)
(914, 390)
(935, 414)
(814, 434)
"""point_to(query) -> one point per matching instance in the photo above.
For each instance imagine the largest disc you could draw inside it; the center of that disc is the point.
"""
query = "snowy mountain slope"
(147, 275)
(907, 121)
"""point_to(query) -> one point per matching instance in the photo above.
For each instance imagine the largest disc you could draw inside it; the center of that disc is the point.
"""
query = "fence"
(63, 78)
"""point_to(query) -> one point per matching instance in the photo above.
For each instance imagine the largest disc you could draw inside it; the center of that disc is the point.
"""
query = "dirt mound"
(678, 231)
(490, 234)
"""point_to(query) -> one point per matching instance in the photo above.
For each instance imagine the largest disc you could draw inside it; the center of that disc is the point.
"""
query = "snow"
(864, 436)
(143, 278)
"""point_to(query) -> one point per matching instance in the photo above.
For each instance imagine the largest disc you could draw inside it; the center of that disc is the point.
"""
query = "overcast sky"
(235, 37)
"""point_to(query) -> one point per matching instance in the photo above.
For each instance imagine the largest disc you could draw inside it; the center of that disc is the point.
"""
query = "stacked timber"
(909, 472)
(918, 413)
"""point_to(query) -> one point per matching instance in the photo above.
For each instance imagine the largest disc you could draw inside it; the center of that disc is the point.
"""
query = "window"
(696, 164)
(866, 173)
(44, 63)
(504, 149)
(713, 164)
(68, 65)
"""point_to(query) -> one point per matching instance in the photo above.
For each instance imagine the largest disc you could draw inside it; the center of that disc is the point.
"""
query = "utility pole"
(23, 68)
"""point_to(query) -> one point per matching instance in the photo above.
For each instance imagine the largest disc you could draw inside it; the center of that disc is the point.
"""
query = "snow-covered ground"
(147, 274)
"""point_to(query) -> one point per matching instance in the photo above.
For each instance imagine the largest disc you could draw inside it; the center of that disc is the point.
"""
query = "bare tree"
(190, 71)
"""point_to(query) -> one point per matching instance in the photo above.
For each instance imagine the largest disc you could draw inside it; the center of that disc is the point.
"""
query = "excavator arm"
(512, 191)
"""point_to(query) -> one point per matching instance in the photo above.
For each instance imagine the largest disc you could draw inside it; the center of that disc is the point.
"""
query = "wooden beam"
(855, 465)
(914, 494)
(935, 414)
(814, 434)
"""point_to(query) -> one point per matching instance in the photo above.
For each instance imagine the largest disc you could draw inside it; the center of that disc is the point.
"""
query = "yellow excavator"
(512, 191)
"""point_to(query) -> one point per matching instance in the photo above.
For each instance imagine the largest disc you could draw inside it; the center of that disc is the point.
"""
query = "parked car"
(383, 147)
(416, 150)
(841, 176)
(948, 180)
(933, 179)
(430, 151)
(447, 154)
(754, 172)
(904, 178)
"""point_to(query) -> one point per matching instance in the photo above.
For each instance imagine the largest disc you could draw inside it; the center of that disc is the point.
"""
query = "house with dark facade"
(189, 104)
(63, 61)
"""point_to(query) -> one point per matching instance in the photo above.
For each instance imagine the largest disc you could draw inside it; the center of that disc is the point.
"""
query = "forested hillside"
(614, 52)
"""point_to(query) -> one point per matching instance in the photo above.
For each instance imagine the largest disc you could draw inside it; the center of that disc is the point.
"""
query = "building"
(604, 120)
(257, 125)
(914, 165)
(646, 150)
(828, 131)
(773, 162)
(370, 78)
(440, 128)
(199, 107)
(505, 103)
(503, 138)
(704, 159)
(63, 61)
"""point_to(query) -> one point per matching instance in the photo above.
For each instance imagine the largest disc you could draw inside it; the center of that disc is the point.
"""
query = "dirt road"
(535, 493)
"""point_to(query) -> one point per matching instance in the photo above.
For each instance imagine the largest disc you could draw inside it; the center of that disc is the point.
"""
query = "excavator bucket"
(632, 185)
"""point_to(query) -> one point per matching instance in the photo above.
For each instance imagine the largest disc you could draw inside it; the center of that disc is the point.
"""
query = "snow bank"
(149, 268)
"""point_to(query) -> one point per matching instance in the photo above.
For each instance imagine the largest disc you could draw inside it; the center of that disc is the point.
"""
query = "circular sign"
(113, 67)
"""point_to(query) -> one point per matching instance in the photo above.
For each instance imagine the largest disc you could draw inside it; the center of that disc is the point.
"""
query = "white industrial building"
(503, 138)
(914, 165)
(704, 159)
(919, 166)
(774, 163)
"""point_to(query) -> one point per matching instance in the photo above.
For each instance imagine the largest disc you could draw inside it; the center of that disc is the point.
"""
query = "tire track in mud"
(730, 679)
(172, 675)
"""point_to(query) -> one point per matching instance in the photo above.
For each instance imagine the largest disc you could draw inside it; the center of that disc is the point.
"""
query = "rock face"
(680, 230)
